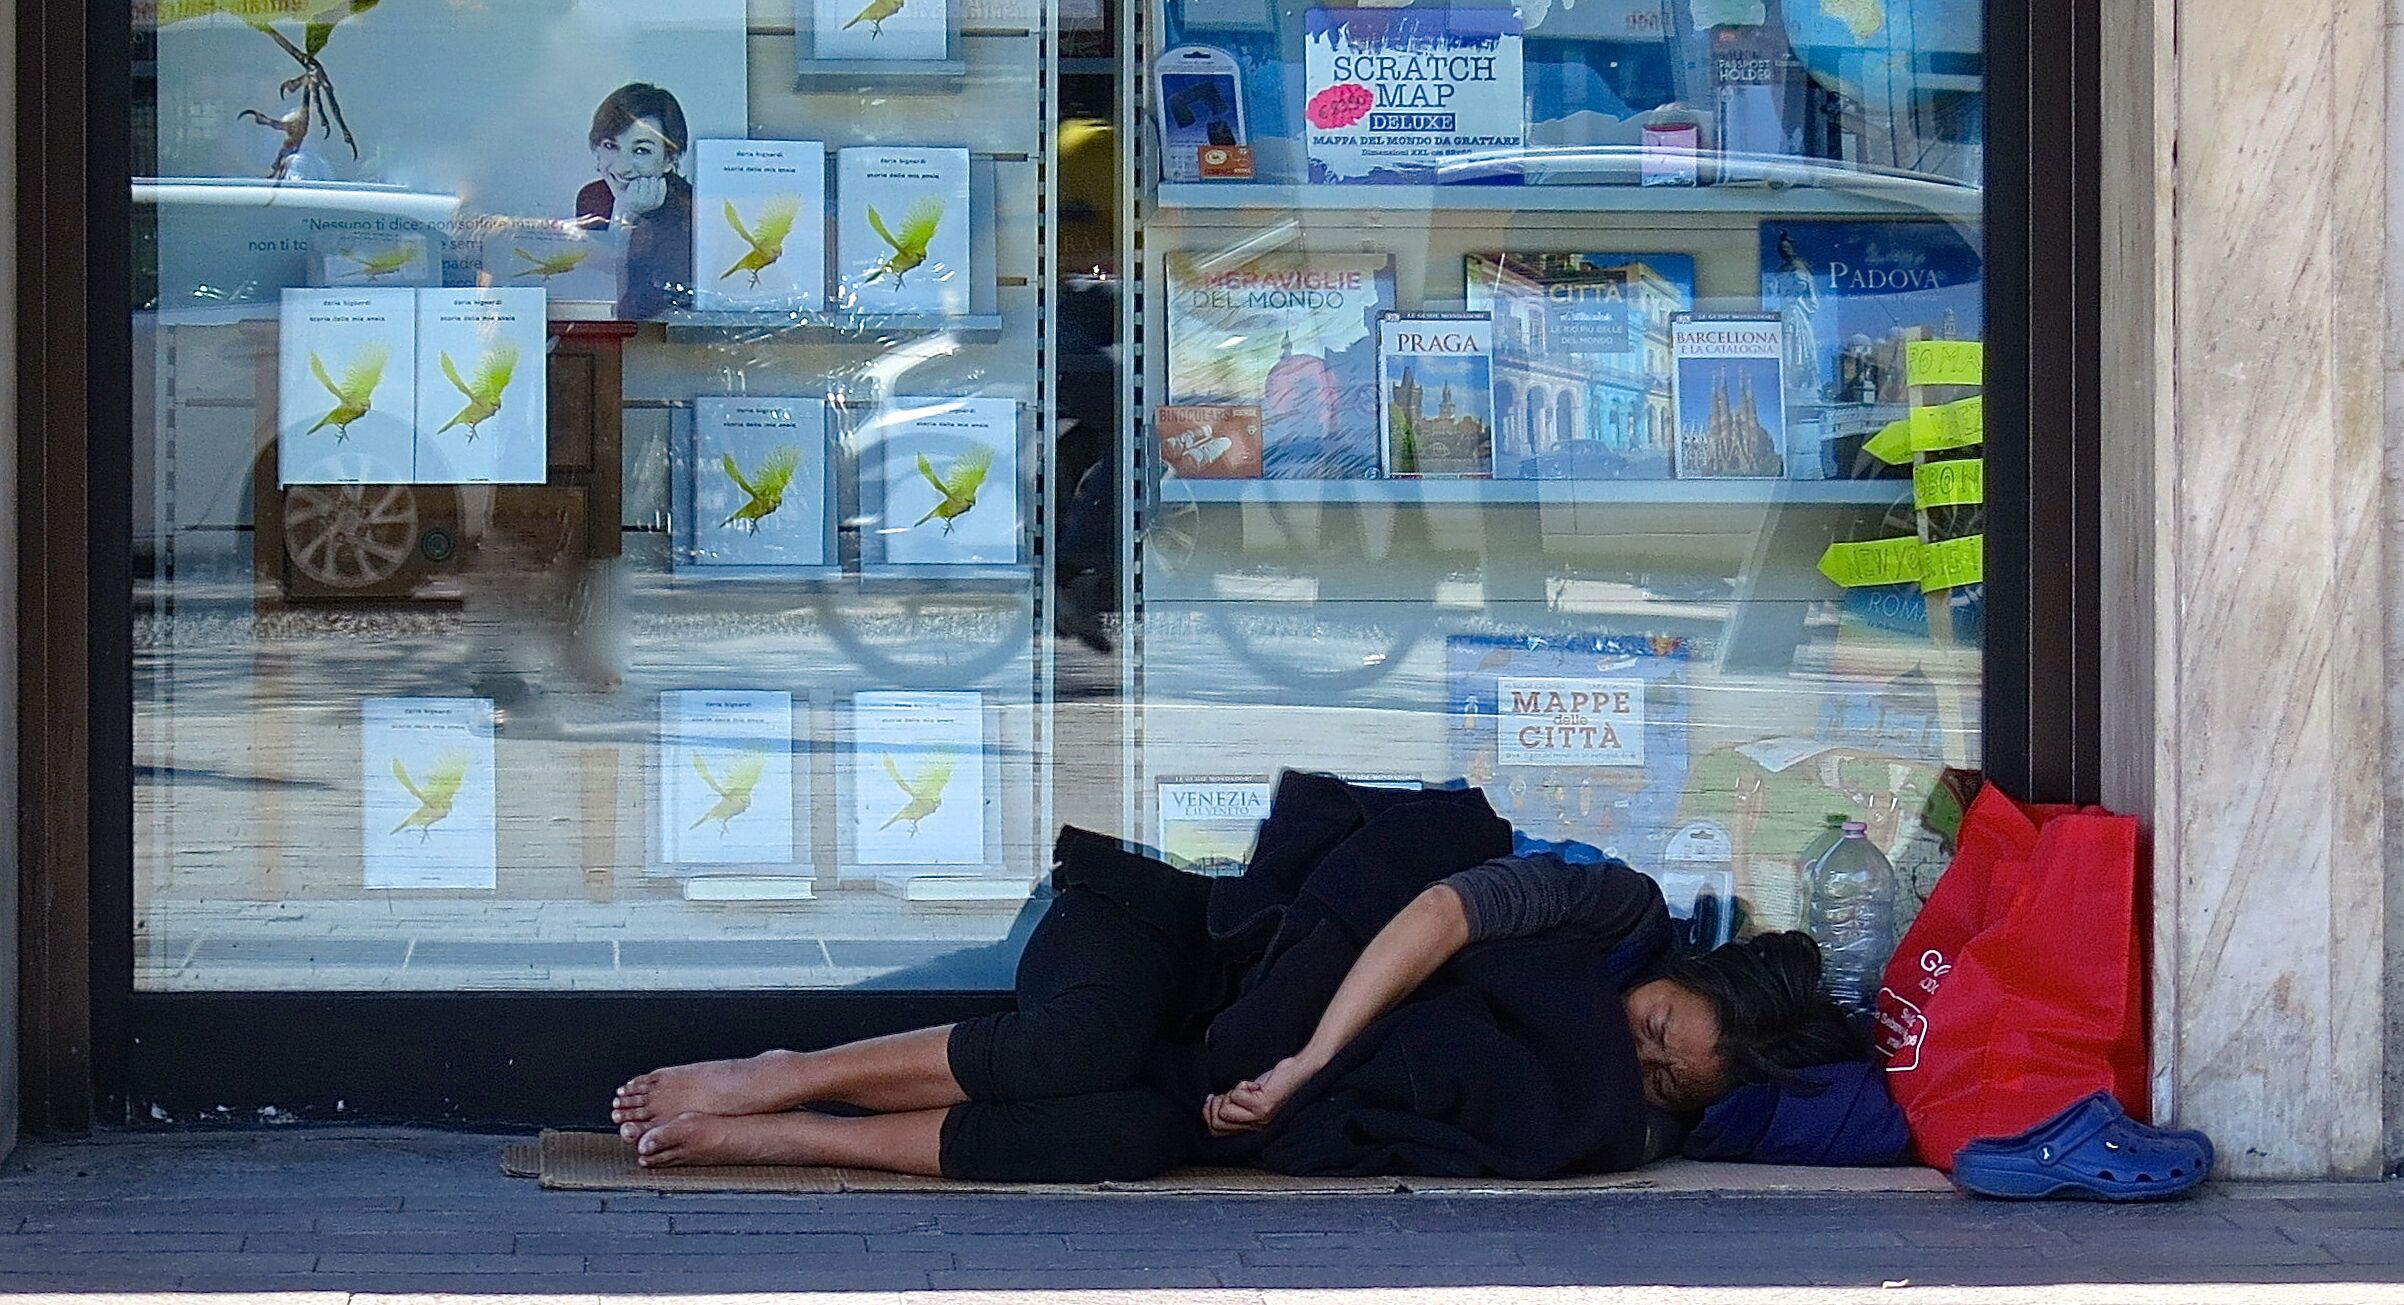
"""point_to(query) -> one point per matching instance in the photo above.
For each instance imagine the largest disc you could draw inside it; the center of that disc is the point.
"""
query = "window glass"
(634, 496)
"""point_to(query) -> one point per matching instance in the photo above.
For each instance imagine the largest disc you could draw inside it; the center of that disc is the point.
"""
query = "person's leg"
(907, 1143)
(1096, 987)
(1105, 1136)
(902, 1072)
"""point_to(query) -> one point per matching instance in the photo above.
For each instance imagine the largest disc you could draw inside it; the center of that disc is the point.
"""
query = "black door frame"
(97, 1051)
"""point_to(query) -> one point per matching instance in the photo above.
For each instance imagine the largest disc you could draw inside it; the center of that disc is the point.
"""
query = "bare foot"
(761, 1085)
(699, 1139)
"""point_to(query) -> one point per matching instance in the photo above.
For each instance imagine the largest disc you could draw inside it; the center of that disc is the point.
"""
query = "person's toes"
(631, 1131)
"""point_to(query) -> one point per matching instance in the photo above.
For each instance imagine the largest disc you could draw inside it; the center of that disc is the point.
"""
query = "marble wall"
(2245, 524)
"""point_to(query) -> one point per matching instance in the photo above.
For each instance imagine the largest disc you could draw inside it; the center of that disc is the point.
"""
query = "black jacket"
(1515, 1060)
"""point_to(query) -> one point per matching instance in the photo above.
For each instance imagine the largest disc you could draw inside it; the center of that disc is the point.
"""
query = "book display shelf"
(700, 648)
(1494, 351)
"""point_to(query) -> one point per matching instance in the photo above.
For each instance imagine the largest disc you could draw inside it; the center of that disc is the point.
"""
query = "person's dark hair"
(635, 101)
(1773, 1018)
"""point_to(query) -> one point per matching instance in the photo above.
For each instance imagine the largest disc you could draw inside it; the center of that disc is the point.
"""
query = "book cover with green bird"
(951, 481)
(428, 816)
(917, 775)
(726, 778)
(346, 362)
(576, 265)
(482, 389)
(759, 226)
(902, 229)
(752, 484)
(884, 30)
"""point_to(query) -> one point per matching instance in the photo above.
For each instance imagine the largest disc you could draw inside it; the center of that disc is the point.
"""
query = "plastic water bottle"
(1828, 837)
(1849, 909)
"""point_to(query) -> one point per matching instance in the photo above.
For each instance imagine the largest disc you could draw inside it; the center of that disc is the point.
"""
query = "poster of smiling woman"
(540, 142)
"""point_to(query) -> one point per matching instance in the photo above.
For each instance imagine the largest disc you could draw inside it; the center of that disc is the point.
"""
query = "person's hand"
(637, 196)
(1251, 1104)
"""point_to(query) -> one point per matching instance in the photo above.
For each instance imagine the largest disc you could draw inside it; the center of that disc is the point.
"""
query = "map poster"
(1395, 93)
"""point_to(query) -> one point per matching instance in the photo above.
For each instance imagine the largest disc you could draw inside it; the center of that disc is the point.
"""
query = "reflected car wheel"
(350, 537)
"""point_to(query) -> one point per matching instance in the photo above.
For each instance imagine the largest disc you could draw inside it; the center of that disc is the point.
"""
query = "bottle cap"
(1857, 829)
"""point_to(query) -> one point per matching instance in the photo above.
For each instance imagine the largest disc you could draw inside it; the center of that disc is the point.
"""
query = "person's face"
(1677, 1046)
(640, 151)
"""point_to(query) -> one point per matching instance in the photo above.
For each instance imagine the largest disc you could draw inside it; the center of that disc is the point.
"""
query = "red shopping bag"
(2020, 988)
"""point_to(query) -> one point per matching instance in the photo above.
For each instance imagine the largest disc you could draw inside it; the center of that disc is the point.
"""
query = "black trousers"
(1056, 1087)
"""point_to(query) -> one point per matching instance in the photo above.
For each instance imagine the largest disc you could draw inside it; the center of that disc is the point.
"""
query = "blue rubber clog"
(2091, 1151)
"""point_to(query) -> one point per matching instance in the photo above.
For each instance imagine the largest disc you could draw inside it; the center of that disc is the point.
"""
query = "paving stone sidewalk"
(353, 1213)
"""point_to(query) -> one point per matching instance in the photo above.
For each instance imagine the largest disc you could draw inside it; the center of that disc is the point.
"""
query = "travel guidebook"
(1854, 295)
(1209, 442)
(1392, 94)
(726, 777)
(428, 816)
(759, 226)
(901, 230)
(483, 387)
(1435, 375)
(757, 484)
(1731, 406)
(917, 773)
(346, 396)
(1293, 335)
(1581, 361)
(1573, 736)
(1208, 823)
(897, 30)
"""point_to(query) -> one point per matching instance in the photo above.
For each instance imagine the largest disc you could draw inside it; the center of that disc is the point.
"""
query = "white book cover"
(950, 470)
(880, 29)
(759, 226)
(918, 778)
(726, 777)
(483, 387)
(901, 231)
(759, 490)
(570, 261)
(346, 412)
(427, 803)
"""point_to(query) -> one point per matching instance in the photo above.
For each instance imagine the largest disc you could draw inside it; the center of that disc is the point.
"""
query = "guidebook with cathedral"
(1435, 374)
(1293, 335)
(1731, 406)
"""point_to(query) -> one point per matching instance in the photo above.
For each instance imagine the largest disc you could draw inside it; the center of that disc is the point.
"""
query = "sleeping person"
(1386, 989)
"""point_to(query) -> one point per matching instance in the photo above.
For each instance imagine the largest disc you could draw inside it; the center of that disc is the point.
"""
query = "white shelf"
(837, 323)
(1389, 203)
(1546, 492)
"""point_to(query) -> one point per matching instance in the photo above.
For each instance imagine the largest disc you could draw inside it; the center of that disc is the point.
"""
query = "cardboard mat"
(603, 1162)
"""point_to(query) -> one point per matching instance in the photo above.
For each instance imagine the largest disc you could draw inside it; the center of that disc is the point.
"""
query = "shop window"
(637, 496)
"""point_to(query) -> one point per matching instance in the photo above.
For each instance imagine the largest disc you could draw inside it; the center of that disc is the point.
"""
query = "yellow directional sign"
(1949, 426)
(1949, 484)
(1892, 446)
(1951, 563)
(1873, 562)
(1941, 565)
(1946, 362)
